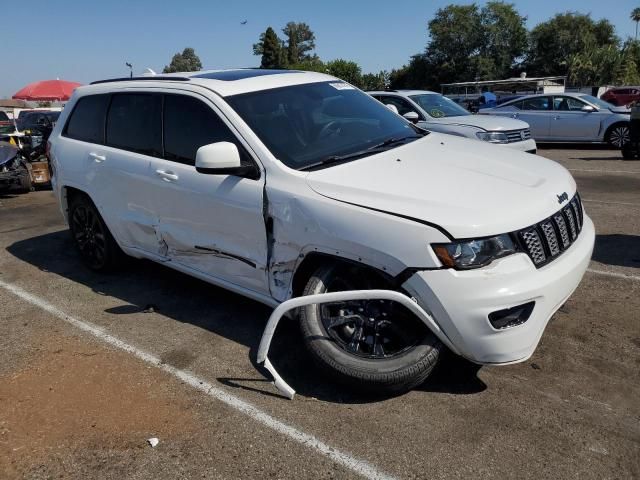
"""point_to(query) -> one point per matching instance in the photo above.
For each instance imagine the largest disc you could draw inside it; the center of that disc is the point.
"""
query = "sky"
(82, 41)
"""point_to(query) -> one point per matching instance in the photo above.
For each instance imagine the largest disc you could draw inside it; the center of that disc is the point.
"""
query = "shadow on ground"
(147, 286)
(617, 249)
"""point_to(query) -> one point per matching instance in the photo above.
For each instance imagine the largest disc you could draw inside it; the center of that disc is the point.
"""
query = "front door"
(211, 223)
(570, 124)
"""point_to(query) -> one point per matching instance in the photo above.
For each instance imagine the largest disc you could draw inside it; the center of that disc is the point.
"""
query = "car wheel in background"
(617, 135)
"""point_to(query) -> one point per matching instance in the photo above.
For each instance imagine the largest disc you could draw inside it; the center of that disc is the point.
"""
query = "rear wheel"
(98, 249)
(618, 135)
(373, 345)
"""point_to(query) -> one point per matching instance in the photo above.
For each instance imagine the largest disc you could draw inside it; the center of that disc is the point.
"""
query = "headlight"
(468, 254)
(492, 137)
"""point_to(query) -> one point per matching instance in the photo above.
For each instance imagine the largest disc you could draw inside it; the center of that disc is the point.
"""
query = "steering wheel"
(329, 129)
(435, 113)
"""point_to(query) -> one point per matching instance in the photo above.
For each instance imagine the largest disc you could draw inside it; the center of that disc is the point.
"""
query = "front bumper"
(528, 146)
(461, 301)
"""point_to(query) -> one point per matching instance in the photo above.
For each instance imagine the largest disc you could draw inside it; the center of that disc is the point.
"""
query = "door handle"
(557, 117)
(97, 158)
(167, 175)
(515, 115)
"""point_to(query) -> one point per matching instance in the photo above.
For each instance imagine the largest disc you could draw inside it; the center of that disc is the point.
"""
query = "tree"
(313, 64)
(504, 40)
(345, 70)
(553, 43)
(300, 41)
(187, 61)
(635, 16)
(271, 48)
(375, 81)
(466, 43)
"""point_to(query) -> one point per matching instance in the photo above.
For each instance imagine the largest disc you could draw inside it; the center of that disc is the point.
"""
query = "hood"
(486, 122)
(468, 188)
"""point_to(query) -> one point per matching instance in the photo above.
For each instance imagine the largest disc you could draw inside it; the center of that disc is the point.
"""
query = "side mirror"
(222, 158)
(392, 107)
(413, 117)
(588, 108)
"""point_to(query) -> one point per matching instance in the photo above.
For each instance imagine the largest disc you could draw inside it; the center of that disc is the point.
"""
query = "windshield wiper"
(381, 147)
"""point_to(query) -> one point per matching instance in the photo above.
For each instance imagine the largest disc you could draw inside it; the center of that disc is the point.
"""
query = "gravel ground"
(74, 407)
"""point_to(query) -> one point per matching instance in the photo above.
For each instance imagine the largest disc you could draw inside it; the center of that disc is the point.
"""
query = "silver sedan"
(568, 117)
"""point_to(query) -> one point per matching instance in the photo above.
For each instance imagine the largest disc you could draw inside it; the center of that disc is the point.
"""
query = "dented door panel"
(212, 223)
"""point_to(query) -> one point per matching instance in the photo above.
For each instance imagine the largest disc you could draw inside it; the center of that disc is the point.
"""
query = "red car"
(621, 96)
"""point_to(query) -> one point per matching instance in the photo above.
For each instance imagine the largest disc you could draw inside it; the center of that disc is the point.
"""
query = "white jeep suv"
(281, 184)
(438, 113)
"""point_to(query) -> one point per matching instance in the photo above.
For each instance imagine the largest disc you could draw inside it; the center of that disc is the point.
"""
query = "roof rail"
(127, 79)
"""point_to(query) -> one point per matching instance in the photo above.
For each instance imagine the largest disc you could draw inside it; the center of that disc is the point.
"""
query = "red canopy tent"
(47, 90)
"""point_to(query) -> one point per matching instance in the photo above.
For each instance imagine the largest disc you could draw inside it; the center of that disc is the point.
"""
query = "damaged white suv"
(281, 184)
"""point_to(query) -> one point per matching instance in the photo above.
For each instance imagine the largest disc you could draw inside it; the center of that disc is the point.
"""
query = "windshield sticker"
(342, 86)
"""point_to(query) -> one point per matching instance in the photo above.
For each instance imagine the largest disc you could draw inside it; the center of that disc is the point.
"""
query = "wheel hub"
(371, 328)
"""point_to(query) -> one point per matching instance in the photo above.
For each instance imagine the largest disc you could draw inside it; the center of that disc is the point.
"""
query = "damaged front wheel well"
(313, 261)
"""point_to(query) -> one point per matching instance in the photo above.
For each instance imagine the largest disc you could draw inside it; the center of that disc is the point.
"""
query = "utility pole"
(130, 69)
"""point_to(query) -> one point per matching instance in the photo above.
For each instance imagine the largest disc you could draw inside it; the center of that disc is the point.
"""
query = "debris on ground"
(153, 442)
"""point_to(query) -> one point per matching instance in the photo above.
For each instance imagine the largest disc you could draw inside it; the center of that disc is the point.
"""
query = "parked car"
(31, 120)
(438, 113)
(281, 184)
(6, 124)
(621, 96)
(568, 117)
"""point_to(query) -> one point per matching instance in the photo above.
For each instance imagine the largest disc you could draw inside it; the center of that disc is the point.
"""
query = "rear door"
(211, 223)
(133, 137)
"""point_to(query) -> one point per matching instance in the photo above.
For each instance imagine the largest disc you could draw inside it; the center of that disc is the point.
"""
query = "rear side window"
(87, 119)
(536, 103)
(188, 125)
(134, 123)
(4, 117)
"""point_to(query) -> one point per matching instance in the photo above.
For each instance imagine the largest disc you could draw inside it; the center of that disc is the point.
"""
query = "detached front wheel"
(373, 345)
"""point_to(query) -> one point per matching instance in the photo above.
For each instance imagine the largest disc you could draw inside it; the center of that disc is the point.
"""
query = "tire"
(628, 153)
(25, 181)
(617, 135)
(393, 374)
(95, 244)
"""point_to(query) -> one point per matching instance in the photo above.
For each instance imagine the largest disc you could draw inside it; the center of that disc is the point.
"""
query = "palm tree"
(635, 16)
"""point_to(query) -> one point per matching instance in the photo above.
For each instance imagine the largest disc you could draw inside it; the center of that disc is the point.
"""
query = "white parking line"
(360, 467)
(614, 274)
(632, 172)
(611, 203)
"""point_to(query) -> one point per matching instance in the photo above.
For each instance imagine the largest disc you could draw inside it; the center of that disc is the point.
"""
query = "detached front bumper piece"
(298, 302)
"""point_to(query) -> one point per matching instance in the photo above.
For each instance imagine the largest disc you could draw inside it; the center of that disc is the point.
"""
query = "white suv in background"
(282, 184)
(437, 113)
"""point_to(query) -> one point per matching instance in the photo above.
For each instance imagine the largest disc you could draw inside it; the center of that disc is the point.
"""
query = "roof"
(223, 82)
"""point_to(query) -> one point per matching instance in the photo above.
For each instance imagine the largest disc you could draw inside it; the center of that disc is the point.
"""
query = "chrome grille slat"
(518, 135)
(546, 240)
(568, 214)
(550, 236)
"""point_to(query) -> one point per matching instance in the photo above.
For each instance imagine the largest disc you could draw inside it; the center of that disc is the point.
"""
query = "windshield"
(596, 101)
(439, 106)
(303, 125)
